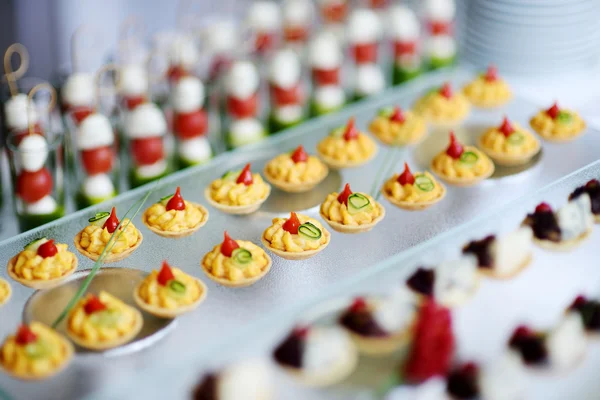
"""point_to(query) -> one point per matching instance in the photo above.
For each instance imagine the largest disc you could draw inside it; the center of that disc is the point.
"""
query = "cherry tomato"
(147, 151)
(406, 177)
(324, 77)
(176, 72)
(335, 12)
(343, 197)
(190, 125)
(34, 186)
(176, 202)
(264, 42)
(295, 34)
(47, 249)
(299, 155)
(455, 149)
(97, 161)
(365, 53)
(228, 245)
(93, 305)
(283, 97)
(292, 224)
(401, 48)
(80, 113)
(243, 108)
(165, 275)
(245, 176)
(112, 222)
(132, 102)
(440, 28)
(25, 335)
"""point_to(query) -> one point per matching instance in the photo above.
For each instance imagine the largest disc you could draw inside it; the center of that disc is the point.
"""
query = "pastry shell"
(563, 245)
(8, 295)
(39, 284)
(412, 206)
(296, 187)
(336, 164)
(461, 182)
(338, 227)
(169, 313)
(506, 160)
(242, 283)
(110, 258)
(491, 273)
(381, 346)
(302, 255)
(236, 210)
(180, 234)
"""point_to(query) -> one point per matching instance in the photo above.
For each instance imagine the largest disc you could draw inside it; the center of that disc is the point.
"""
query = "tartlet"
(103, 322)
(413, 192)
(441, 106)
(558, 125)
(509, 144)
(462, 165)
(317, 356)
(380, 325)
(236, 263)
(35, 352)
(346, 147)
(42, 264)
(295, 172)
(488, 90)
(169, 292)
(238, 192)
(173, 217)
(5, 292)
(592, 189)
(562, 230)
(395, 127)
(92, 240)
(589, 312)
(296, 238)
(247, 380)
(349, 212)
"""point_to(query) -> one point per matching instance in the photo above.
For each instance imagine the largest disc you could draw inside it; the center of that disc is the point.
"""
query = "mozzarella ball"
(439, 10)
(285, 69)
(98, 186)
(195, 150)
(364, 26)
(146, 120)
(297, 12)
(188, 95)
(33, 152)
(329, 96)
(442, 46)
(79, 90)
(152, 170)
(242, 80)
(325, 52)
(133, 80)
(183, 51)
(369, 79)
(19, 112)
(95, 131)
(403, 24)
(221, 37)
(263, 16)
(46, 205)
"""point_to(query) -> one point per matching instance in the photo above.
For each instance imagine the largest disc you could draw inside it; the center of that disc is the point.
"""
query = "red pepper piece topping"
(25, 335)
(351, 132)
(398, 115)
(112, 222)
(358, 305)
(301, 332)
(553, 111)
(245, 176)
(455, 149)
(299, 155)
(292, 224)
(93, 305)
(47, 249)
(343, 197)
(491, 74)
(228, 245)
(176, 202)
(543, 207)
(446, 90)
(506, 128)
(165, 274)
(406, 177)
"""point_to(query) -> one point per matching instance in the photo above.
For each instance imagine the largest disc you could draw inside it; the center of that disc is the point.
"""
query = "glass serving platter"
(228, 313)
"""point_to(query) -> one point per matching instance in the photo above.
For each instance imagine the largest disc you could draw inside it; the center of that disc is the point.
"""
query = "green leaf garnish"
(564, 117)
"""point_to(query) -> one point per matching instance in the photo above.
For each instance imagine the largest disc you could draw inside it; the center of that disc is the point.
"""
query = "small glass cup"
(37, 179)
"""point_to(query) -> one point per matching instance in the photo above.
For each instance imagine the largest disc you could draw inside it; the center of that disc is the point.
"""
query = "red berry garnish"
(343, 197)
(406, 177)
(165, 274)
(543, 207)
(299, 155)
(579, 302)
(47, 249)
(446, 90)
(506, 128)
(351, 132)
(520, 332)
(469, 368)
(25, 335)
(592, 184)
(245, 176)
(397, 115)
(553, 111)
(455, 149)
(491, 74)
(228, 245)
(301, 332)
(176, 202)
(358, 305)
(93, 304)
(112, 222)
(292, 224)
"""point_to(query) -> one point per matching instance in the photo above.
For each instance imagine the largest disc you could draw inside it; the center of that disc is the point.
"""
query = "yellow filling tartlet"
(484, 93)
(425, 189)
(567, 125)
(449, 167)
(158, 217)
(33, 267)
(5, 291)
(438, 109)
(282, 168)
(109, 326)
(94, 238)
(356, 150)
(335, 211)
(281, 239)
(227, 268)
(398, 133)
(520, 142)
(167, 296)
(227, 192)
(48, 354)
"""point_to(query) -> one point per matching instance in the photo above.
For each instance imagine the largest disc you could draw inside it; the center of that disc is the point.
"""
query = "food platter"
(291, 286)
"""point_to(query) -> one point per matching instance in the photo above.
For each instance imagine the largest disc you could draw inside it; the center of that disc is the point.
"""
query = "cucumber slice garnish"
(35, 244)
(469, 157)
(516, 138)
(386, 112)
(424, 183)
(99, 219)
(241, 257)
(358, 202)
(38, 349)
(165, 200)
(338, 132)
(176, 287)
(231, 176)
(106, 318)
(309, 231)
(564, 117)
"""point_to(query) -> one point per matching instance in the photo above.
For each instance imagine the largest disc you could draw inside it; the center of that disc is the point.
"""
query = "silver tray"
(228, 313)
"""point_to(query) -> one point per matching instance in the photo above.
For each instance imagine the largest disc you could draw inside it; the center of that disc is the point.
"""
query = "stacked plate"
(530, 36)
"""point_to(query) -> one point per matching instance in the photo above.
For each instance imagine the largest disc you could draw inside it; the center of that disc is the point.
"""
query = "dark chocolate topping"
(544, 225)
(462, 383)
(590, 313)
(206, 389)
(592, 188)
(531, 347)
(422, 281)
(481, 250)
(289, 352)
(362, 323)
